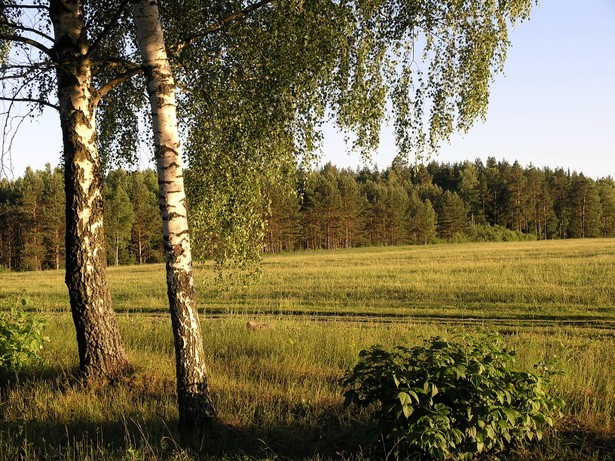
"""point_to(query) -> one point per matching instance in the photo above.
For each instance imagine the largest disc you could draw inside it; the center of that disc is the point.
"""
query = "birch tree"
(259, 77)
(195, 406)
(50, 59)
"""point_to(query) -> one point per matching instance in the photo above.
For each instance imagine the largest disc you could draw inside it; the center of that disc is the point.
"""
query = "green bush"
(452, 399)
(21, 340)
(488, 233)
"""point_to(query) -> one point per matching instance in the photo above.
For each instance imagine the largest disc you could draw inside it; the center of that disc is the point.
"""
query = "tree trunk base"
(196, 419)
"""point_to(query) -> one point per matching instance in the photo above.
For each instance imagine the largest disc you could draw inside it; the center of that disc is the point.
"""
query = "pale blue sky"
(554, 107)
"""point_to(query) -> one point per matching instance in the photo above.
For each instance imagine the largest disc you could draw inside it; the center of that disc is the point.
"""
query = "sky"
(554, 107)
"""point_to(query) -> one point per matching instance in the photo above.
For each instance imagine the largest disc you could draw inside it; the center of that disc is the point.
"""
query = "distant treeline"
(331, 208)
(32, 219)
(440, 202)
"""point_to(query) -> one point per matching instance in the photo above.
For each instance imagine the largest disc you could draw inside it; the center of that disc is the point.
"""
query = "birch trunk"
(101, 352)
(195, 406)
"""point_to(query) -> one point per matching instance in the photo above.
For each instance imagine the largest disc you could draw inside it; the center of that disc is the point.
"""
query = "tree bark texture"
(101, 351)
(196, 409)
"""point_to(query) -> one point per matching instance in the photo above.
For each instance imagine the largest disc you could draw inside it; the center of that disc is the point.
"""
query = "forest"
(328, 208)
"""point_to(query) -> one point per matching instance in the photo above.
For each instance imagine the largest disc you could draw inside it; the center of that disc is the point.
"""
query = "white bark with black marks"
(195, 406)
(101, 351)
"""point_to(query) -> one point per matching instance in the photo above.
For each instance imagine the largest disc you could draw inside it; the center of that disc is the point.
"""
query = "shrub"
(452, 399)
(488, 233)
(21, 340)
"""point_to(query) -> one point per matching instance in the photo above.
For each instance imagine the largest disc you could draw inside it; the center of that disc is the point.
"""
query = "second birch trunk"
(195, 406)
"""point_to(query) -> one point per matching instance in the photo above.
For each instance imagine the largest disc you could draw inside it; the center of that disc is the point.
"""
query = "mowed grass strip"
(566, 279)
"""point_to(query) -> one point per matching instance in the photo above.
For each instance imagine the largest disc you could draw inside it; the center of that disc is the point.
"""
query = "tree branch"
(107, 29)
(218, 26)
(27, 29)
(26, 7)
(28, 41)
(16, 72)
(32, 100)
(114, 63)
(111, 84)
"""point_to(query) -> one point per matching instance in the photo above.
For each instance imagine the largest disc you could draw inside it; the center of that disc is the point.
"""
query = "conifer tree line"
(329, 208)
(32, 222)
(468, 201)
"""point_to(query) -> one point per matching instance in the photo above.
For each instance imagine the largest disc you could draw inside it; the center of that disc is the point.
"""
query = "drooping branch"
(22, 82)
(26, 7)
(8, 134)
(108, 28)
(41, 102)
(10, 76)
(23, 70)
(113, 63)
(113, 83)
(28, 41)
(212, 28)
(26, 29)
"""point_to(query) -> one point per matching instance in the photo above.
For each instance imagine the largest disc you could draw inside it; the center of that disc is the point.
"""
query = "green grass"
(277, 390)
(570, 279)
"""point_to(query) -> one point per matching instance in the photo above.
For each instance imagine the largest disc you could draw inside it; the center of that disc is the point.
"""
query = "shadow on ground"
(137, 434)
(140, 435)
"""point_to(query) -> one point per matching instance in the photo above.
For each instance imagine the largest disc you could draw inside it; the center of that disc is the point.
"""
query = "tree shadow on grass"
(74, 432)
(291, 441)
(159, 440)
(138, 430)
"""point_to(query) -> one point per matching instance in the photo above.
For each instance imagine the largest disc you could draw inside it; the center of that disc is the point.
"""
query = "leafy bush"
(488, 233)
(452, 400)
(21, 340)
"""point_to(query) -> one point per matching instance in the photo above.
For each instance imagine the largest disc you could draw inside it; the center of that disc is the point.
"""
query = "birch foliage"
(260, 78)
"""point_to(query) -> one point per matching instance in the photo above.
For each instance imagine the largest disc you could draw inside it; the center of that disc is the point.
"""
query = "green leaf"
(414, 395)
(511, 414)
(407, 410)
(434, 390)
(492, 409)
(404, 398)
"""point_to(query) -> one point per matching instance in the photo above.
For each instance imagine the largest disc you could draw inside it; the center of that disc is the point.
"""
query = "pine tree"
(559, 184)
(119, 218)
(422, 220)
(396, 206)
(9, 225)
(145, 241)
(468, 187)
(30, 189)
(323, 204)
(53, 216)
(514, 183)
(606, 191)
(375, 191)
(452, 215)
(352, 205)
(585, 208)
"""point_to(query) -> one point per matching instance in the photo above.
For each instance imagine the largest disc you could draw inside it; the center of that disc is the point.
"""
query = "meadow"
(277, 389)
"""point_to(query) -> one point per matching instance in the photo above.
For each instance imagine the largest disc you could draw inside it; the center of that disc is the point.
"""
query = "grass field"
(277, 390)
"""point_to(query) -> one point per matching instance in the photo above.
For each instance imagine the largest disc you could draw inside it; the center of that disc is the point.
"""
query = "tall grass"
(277, 389)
